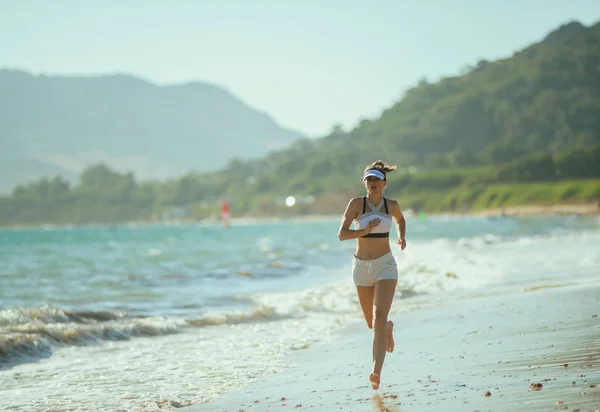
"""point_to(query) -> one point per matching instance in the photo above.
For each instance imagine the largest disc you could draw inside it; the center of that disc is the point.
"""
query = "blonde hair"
(381, 166)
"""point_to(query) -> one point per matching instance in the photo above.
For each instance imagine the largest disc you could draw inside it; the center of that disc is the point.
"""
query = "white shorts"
(367, 272)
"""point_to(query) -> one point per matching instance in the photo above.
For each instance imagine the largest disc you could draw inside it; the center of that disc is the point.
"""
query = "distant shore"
(557, 209)
(523, 210)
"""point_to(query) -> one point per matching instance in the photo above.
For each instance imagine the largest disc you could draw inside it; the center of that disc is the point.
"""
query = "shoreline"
(529, 210)
(480, 353)
(579, 209)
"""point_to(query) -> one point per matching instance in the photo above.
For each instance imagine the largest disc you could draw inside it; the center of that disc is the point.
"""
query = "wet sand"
(536, 349)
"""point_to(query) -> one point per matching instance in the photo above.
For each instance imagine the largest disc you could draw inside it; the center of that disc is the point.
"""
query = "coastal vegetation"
(521, 130)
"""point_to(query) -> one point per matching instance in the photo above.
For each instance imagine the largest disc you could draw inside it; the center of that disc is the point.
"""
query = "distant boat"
(224, 213)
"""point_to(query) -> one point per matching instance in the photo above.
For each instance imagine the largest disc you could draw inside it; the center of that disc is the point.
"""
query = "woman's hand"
(372, 225)
(402, 242)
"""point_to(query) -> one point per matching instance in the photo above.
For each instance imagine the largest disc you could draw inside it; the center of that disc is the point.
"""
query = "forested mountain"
(464, 142)
(61, 124)
(542, 101)
(545, 98)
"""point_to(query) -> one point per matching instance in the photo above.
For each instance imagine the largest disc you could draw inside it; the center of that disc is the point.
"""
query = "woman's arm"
(345, 233)
(400, 224)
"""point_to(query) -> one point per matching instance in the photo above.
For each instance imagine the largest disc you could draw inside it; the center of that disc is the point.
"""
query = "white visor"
(374, 172)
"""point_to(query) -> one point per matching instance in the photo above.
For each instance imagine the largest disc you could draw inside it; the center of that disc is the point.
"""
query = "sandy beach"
(534, 349)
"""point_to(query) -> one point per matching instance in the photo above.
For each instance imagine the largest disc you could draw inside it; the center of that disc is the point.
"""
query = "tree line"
(533, 117)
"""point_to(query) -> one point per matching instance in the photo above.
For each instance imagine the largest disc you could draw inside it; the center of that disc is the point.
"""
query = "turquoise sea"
(142, 317)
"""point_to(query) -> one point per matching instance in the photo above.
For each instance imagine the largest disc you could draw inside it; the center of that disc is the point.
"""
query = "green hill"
(518, 130)
(543, 102)
(545, 98)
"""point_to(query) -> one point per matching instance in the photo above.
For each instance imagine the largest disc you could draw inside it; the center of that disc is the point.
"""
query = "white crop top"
(383, 230)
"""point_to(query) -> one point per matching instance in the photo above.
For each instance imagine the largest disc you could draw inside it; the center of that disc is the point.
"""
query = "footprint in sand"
(379, 404)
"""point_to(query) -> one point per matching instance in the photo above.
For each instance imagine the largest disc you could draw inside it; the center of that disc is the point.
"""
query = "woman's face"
(374, 185)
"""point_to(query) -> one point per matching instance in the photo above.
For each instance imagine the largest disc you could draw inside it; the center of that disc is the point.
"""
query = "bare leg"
(390, 336)
(365, 297)
(384, 295)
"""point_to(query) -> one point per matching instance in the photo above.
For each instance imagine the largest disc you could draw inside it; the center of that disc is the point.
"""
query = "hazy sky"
(308, 63)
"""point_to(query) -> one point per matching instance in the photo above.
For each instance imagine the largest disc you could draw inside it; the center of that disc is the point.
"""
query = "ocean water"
(141, 318)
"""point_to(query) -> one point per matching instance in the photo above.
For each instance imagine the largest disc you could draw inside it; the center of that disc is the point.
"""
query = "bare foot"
(374, 378)
(390, 336)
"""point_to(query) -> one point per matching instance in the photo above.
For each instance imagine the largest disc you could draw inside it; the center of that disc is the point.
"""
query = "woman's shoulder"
(354, 206)
(356, 202)
(392, 202)
(357, 199)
